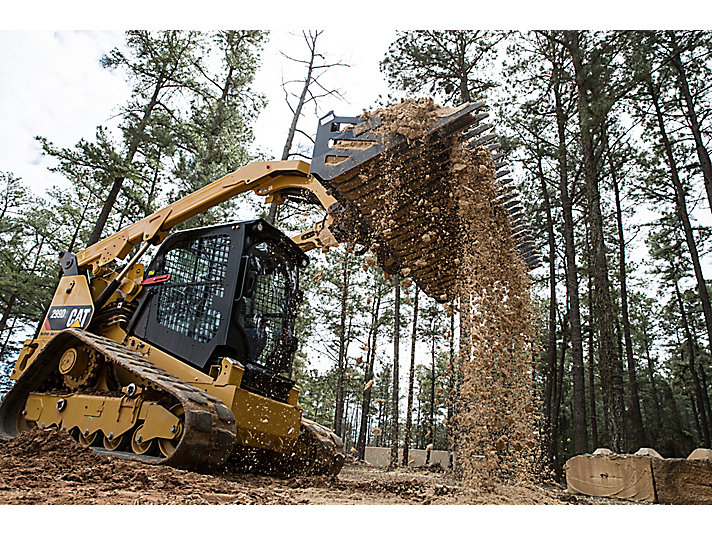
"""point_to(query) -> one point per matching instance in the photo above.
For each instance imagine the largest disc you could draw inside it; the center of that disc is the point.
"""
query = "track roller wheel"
(141, 446)
(168, 446)
(117, 443)
(89, 440)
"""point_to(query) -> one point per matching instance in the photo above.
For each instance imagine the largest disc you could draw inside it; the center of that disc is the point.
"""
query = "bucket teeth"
(474, 132)
(511, 194)
(494, 146)
(513, 206)
(482, 140)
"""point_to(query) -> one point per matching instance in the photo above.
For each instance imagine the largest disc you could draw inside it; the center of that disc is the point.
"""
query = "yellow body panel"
(86, 412)
(72, 293)
(261, 421)
(91, 413)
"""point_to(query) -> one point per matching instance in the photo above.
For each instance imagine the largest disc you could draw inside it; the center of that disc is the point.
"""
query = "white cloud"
(51, 84)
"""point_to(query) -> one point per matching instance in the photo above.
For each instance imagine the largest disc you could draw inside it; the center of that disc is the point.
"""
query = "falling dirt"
(496, 419)
(48, 467)
(464, 252)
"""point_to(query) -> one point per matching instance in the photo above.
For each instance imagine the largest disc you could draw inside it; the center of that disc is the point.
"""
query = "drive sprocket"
(80, 367)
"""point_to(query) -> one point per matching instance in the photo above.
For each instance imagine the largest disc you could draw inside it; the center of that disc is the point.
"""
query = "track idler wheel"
(117, 443)
(89, 440)
(168, 446)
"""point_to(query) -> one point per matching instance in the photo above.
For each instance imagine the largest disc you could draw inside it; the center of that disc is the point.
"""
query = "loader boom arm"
(264, 178)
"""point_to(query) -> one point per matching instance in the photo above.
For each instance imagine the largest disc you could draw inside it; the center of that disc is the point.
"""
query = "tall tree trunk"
(345, 424)
(682, 213)
(591, 365)
(550, 378)
(370, 357)
(572, 287)
(702, 376)
(154, 185)
(691, 350)
(339, 408)
(6, 312)
(431, 431)
(396, 343)
(698, 426)
(7, 338)
(603, 305)
(702, 154)
(554, 438)
(451, 387)
(653, 386)
(418, 427)
(705, 394)
(636, 416)
(130, 154)
(411, 377)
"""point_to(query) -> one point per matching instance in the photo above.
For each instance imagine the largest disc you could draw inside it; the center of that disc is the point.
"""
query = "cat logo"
(61, 317)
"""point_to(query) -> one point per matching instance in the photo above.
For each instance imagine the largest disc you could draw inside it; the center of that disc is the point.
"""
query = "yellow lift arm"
(266, 179)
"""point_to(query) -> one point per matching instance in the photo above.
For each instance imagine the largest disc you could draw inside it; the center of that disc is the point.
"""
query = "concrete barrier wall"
(381, 456)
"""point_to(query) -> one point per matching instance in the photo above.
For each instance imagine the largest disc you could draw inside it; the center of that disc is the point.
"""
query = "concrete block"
(700, 454)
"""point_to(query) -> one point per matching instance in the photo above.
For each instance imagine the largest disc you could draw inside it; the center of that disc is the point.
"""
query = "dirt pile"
(47, 467)
(410, 118)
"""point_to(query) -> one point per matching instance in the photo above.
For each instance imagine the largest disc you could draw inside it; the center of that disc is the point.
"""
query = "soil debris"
(48, 467)
(465, 253)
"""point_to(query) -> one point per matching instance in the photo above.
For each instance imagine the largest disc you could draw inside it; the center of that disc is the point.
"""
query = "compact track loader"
(186, 361)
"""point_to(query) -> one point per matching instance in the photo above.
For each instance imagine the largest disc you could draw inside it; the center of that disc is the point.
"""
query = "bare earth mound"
(48, 467)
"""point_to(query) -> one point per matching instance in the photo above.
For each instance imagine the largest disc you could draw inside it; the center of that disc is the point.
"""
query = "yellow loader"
(186, 361)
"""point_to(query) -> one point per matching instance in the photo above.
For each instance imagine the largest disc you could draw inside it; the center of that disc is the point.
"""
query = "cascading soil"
(495, 422)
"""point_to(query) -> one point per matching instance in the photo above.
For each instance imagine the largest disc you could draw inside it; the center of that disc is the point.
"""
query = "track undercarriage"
(114, 400)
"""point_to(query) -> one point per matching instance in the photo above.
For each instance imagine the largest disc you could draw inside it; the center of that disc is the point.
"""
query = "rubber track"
(326, 448)
(209, 430)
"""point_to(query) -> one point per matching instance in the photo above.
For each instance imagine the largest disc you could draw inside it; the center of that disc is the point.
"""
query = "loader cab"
(230, 290)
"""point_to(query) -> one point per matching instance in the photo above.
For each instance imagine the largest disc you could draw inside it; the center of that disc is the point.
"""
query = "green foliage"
(447, 63)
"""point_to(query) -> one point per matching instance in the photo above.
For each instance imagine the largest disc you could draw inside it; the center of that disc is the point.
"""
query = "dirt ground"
(47, 467)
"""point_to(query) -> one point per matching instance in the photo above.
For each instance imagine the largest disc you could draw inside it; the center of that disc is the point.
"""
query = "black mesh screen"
(267, 307)
(186, 302)
(270, 302)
